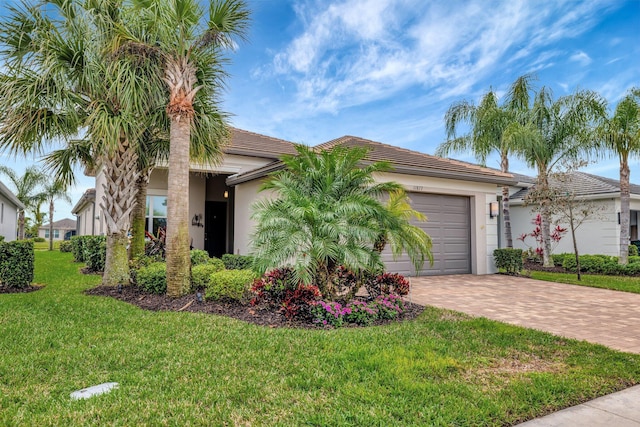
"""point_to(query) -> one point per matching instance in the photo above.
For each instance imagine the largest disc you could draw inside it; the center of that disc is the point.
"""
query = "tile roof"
(252, 144)
(584, 184)
(63, 224)
(8, 194)
(89, 196)
(416, 163)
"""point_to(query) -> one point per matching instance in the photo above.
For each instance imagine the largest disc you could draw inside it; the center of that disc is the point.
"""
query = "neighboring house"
(454, 195)
(600, 234)
(85, 212)
(62, 230)
(9, 207)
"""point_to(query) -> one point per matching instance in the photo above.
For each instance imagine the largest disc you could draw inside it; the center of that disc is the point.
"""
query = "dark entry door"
(215, 228)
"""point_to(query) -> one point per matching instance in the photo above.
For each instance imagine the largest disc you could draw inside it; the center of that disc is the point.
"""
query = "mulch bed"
(10, 290)
(536, 266)
(259, 315)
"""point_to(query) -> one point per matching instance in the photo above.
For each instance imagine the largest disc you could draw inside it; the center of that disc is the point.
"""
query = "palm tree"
(59, 78)
(187, 44)
(619, 135)
(26, 189)
(488, 122)
(54, 191)
(327, 213)
(555, 132)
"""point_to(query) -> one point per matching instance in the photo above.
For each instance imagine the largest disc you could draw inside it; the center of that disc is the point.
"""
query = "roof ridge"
(261, 135)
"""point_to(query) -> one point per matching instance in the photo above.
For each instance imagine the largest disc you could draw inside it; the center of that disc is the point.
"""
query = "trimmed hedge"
(16, 263)
(633, 250)
(153, 278)
(77, 247)
(39, 239)
(198, 257)
(229, 284)
(599, 264)
(200, 274)
(95, 252)
(237, 262)
(508, 259)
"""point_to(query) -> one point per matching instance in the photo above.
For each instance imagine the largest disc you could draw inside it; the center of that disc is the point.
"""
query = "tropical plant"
(54, 191)
(59, 77)
(488, 122)
(619, 135)
(554, 132)
(327, 213)
(27, 189)
(184, 44)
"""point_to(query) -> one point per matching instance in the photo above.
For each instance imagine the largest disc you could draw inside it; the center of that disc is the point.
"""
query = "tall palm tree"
(53, 191)
(555, 132)
(27, 190)
(619, 135)
(59, 79)
(326, 213)
(187, 44)
(488, 122)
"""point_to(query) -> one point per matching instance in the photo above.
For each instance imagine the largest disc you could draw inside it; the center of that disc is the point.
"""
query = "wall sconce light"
(493, 209)
(226, 194)
(98, 217)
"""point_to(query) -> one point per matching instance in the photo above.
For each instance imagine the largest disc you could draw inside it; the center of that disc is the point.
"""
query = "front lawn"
(616, 283)
(196, 369)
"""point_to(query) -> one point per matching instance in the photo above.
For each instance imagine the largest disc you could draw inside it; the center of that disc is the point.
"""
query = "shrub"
(389, 306)
(229, 284)
(153, 278)
(634, 259)
(201, 273)
(362, 313)
(198, 257)
(329, 313)
(299, 303)
(633, 250)
(77, 247)
(95, 252)
(39, 239)
(237, 262)
(66, 246)
(137, 263)
(385, 284)
(272, 287)
(16, 263)
(508, 259)
(558, 259)
(1, 238)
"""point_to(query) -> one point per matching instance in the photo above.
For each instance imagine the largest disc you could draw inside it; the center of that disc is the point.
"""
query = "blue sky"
(388, 70)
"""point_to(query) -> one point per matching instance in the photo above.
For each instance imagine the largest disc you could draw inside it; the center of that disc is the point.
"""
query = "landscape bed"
(179, 368)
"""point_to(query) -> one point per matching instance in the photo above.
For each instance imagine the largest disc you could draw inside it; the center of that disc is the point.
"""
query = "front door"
(215, 230)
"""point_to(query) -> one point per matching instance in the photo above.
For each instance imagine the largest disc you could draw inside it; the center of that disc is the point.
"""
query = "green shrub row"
(91, 250)
(634, 250)
(229, 284)
(16, 263)
(200, 274)
(237, 262)
(598, 264)
(509, 260)
(39, 239)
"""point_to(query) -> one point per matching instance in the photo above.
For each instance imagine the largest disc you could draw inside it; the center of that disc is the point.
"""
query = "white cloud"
(581, 58)
(353, 52)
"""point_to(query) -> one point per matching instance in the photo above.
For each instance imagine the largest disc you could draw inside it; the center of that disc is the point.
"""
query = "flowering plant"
(389, 306)
(556, 234)
(362, 313)
(329, 313)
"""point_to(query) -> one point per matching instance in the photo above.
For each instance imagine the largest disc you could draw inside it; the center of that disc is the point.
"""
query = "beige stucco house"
(62, 229)
(600, 232)
(454, 195)
(9, 207)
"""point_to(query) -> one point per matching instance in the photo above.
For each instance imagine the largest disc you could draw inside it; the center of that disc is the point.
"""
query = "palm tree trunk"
(138, 218)
(506, 215)
(177, 245)
(546, 220)
(624, 210)
(21, 225)
(121, 172)
(51, 224)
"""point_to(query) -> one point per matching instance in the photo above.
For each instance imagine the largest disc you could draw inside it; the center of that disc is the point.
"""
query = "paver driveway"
(611, 318)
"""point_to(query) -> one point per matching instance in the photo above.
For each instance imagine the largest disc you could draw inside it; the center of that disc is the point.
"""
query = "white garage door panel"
(449, 225)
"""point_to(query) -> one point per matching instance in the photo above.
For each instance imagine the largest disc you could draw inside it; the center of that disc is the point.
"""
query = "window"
(156, 214)
(46, 233)
(56, 234)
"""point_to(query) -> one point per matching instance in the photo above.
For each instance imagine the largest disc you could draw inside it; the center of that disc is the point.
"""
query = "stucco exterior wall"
(597, 235)
(246, 195)
(8, 219)
(86, 220)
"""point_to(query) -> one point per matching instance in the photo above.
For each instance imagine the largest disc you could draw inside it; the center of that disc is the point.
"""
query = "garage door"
(449, 225)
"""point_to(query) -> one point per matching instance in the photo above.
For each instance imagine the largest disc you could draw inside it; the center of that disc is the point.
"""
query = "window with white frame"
(156, 214)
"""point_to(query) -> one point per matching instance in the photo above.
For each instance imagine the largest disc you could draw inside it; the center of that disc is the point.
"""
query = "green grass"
(194, 369)
(44, 246)
(617, 283)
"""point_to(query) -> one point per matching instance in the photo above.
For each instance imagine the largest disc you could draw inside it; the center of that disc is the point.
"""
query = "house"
(85, 212)
(9, 207)
(62, 230)
(454, 195)
(599, 234)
